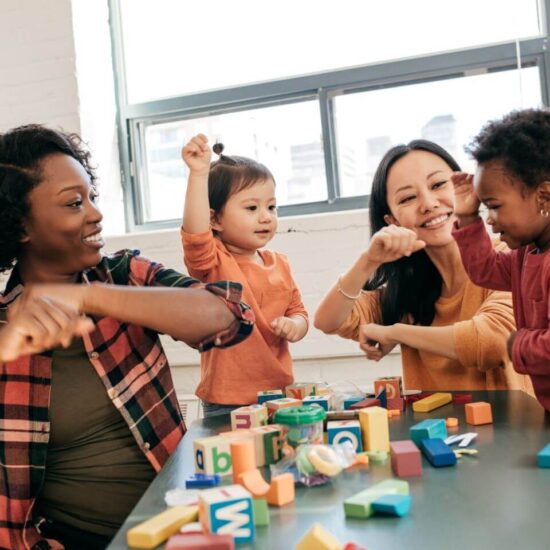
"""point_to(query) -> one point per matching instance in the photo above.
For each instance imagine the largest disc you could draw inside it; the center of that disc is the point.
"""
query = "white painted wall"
(55, 68)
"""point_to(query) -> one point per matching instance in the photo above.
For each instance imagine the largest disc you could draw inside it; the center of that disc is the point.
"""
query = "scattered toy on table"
(301, 425)
(392, 413)
(478, 413)
(193, 527)
(393, 505)
(345, 430)
(360, 504)
(462, 440)
(368, 402)
(199, 481)
(451, 422)
(381, 396)
(392, 385)
(204, 541)
(428, 429)
(250, 416)
(376, 457)
(269, 395)
(228, 510)
(432, 402)
(460, 452)
(406, 460)
(318, 538)
(543, 457)
(396, 403)
(181, 497)
(278, 404)
(438, 453)
(319, 400)
(375, 429)
(349, 401)
(261, 512)
(460, 398)
(157, 529)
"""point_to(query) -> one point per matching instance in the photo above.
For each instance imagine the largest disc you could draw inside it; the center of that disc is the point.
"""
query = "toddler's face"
(513, 208)
(249, 218)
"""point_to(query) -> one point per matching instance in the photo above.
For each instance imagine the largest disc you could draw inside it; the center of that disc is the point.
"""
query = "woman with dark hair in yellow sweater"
(410, 288)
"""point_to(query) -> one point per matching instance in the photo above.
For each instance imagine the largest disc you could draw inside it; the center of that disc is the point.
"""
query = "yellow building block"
(156, 530)
(432, 402)
(375, 429)
(318, 538)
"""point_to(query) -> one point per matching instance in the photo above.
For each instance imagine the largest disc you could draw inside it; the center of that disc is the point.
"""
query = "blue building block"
(543, 457)
(351, 401)
(393, 505)
(430, 428)
(438, 452)
(383, 399)
(198, 481)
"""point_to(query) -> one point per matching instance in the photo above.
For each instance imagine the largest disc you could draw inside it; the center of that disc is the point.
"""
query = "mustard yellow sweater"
(482, 320)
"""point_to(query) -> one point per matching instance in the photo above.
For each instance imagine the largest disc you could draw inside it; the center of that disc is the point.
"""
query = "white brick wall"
(53, 53)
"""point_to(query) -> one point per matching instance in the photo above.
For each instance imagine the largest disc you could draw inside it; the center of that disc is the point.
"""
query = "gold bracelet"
(344, 293)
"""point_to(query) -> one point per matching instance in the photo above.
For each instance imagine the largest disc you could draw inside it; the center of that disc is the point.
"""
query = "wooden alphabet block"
(251, 416)
(321, 400)
(269, 395)
(345, 430)
(392, 385)
(228, 510)
(212, 455)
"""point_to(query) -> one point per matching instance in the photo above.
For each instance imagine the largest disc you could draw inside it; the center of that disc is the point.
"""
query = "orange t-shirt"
(233, 376)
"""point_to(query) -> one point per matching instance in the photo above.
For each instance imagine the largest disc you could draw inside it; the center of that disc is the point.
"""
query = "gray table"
(499, 499)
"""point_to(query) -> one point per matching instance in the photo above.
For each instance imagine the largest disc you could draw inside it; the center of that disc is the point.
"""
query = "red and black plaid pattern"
(132, 365)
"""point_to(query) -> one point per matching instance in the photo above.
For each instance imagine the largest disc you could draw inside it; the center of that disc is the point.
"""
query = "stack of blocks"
(361, 504)
(269, 395)
(277, 404)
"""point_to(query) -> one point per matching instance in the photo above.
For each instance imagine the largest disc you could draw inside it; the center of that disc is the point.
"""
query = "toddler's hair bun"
(218, 148)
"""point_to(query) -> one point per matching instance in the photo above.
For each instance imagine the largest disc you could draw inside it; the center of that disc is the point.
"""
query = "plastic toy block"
(197, 481)
(368, 402)
(414, 397)
(451, 422)
(281, 490)
(193, 527)
(269, 447)
(438, 453)
(351, 401)
(254, 482)
(432, 402)
(251, 416)
(229, 511)
(393, 505)
(406, 460)
(212, 455)
(397, 403)
(543, 457)
(318, 538)
(156, 530)
(360, 505)
(375, 429)
(300, 390)
(459, 398)
(478, 413)
(428, 429)
(361, 463)
(345, 430)
(284, 402)
(382, 398)
(321, 400)
(269, 395)
(243, 457)
(202, 541)
(391, 384)
(261, 512)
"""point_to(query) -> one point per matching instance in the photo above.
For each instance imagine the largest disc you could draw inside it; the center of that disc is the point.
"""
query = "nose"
(93, 213)
(428, 201)
(265, 215)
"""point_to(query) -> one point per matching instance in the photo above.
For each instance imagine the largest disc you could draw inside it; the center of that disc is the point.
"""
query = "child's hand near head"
(197, 154)
(466, 201)
(292, 329)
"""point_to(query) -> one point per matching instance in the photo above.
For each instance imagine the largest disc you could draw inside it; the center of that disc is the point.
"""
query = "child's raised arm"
(196, 214)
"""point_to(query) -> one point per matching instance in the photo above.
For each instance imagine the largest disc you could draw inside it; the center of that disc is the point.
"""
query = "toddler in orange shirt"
(230, 214)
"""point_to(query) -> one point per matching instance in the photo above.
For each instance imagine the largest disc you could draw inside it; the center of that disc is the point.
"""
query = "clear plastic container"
(301, 425)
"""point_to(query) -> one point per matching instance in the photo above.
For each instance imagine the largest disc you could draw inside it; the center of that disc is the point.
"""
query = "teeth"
(437, 220)
(93, 238)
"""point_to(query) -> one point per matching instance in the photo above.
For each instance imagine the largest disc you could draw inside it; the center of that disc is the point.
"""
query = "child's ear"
(543, 193)
(390, 220)
(215, 221)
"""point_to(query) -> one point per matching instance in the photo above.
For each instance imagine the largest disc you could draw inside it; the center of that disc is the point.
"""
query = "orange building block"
(478, 413)
(281, 490)
(254, 482)
(243, 457)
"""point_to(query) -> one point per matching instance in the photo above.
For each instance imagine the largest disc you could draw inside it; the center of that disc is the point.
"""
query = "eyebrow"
(70, 188)
(410, 186)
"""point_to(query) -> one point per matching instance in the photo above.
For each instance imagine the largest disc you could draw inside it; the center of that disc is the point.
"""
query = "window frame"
(324, 87)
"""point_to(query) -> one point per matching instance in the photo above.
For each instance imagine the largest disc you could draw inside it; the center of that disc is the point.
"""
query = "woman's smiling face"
(420, 196)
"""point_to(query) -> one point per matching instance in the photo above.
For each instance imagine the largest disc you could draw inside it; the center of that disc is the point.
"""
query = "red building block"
(369, 402)
(201, 542)
(406, 460)
(462, 398)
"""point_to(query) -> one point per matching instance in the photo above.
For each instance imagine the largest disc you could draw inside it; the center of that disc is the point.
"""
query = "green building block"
(261, 511)
(360, 505)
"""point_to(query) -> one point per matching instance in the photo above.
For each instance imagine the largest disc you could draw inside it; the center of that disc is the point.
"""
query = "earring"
(543, 212)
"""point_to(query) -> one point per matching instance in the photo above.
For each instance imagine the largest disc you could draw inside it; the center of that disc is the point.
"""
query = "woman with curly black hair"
(85, 426)
(409, 286)
(513, 181)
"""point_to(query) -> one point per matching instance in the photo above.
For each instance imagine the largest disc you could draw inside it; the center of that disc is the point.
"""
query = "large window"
(316, 91)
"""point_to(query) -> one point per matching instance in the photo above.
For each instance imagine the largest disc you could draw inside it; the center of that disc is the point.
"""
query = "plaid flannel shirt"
(131, 363)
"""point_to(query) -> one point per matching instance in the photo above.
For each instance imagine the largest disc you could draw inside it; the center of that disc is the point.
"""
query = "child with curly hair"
(513, 181)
